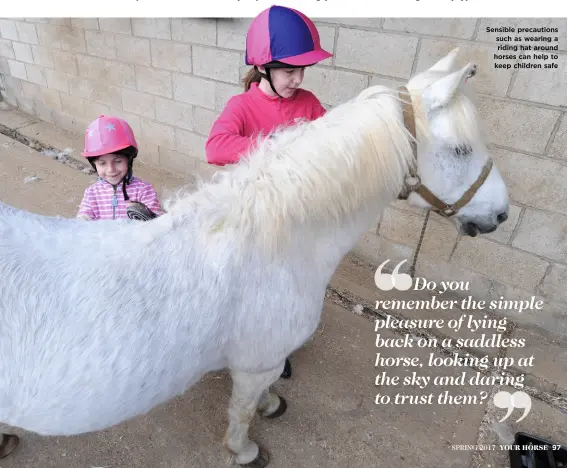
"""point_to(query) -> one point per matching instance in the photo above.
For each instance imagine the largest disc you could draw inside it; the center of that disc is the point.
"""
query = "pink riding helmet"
(106, 135)
(283, 36)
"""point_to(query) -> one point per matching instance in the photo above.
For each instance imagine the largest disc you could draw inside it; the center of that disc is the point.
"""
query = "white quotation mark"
(386, 282)
(507, 401)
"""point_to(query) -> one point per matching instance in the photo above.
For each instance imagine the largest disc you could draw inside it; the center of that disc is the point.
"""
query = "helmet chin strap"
(127, 178)
(268, 78)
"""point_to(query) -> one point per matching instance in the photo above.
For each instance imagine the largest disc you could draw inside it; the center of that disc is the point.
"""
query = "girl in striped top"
(110, 147)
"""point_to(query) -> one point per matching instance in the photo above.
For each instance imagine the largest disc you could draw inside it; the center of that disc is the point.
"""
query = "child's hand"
(84, 218)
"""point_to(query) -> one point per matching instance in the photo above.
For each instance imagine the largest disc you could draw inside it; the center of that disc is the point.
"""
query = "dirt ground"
(332, 419)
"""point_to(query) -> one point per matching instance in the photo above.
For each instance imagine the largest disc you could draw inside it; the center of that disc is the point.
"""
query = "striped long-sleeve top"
(103, 201)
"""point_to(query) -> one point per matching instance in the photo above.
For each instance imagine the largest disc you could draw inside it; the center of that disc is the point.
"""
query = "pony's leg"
(8, 442)
(287, 372)
(250, 393)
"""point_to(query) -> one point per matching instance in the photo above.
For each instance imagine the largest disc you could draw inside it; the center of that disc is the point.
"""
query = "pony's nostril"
(502, 217)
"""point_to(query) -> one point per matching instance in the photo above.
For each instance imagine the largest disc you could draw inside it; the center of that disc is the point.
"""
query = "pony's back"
(101, 321)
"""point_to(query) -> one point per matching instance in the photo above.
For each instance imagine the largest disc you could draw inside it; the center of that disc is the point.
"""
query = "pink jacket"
(99, 200)
(250, 113)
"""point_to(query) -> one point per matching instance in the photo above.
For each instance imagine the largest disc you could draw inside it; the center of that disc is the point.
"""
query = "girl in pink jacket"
(281, 42)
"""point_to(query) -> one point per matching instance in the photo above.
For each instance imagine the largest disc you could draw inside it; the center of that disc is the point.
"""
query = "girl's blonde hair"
(253, 76)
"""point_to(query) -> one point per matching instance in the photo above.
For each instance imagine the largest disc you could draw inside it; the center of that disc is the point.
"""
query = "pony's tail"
(253, 76)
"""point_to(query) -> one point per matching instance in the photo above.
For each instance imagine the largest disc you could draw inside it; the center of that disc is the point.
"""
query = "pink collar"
(257, 92)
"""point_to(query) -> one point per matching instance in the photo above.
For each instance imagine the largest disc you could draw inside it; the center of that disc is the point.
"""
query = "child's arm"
(86, 207)
(149, 197)
(226, 144)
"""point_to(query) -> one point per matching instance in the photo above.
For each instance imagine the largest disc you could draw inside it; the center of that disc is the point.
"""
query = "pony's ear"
(446, 64)
(442, 91)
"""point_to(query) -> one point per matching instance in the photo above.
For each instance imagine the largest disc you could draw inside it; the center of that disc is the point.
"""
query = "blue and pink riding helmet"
(281, 37)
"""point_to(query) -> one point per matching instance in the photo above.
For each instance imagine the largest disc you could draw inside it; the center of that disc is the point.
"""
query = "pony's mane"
(312, 171)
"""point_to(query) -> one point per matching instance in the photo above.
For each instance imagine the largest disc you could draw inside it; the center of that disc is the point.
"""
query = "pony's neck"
(327, 243)
(320, 172)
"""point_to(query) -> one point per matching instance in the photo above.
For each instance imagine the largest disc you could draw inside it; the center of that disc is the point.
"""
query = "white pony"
(100, 322)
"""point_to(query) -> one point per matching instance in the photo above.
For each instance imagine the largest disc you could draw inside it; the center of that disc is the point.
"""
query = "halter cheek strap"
(413, 183)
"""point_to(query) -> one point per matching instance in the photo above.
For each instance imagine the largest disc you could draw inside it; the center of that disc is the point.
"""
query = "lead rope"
(413, 266)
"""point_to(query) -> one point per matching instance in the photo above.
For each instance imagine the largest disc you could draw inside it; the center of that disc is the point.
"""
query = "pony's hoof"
(8, 442)
(261, 459)
(280, 410)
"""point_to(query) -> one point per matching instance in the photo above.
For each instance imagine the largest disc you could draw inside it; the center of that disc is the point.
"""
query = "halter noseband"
(413, 182)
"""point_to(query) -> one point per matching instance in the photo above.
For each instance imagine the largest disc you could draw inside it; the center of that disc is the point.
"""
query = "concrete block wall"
(171, 77)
